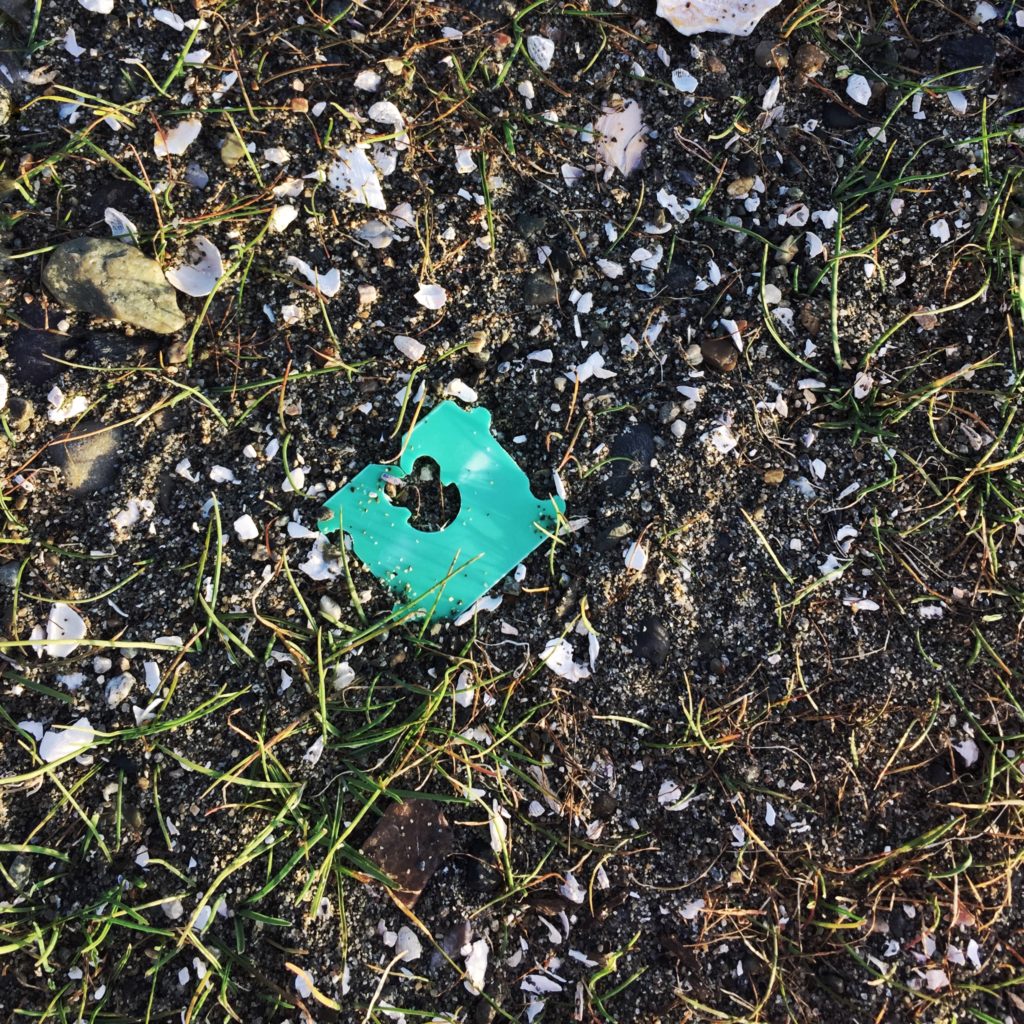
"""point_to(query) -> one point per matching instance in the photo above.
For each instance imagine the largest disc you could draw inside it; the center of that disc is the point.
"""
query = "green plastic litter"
(441, 573)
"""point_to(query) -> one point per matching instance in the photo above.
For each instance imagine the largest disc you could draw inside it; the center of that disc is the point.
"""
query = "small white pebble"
(223, 475)
(408, 944)
(173, 909)
(410, 347)
(858, 88)
(246, 528)
(462, 391)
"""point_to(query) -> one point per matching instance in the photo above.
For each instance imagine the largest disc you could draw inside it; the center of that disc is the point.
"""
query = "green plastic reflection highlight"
(441, 573)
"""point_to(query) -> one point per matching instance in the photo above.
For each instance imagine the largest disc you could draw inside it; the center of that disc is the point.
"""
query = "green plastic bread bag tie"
(442, 573)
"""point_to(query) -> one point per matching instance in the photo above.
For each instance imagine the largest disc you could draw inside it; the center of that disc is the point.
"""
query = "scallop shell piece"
(732, 17)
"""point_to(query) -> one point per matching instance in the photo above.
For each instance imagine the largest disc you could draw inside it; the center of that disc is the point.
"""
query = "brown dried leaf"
(409, 844)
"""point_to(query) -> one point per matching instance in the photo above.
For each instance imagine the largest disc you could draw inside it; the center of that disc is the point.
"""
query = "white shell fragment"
(119, 688)
(541, 51)
(355, 175)
(60, 743)
(636, 557)
(431, 296)
(476, 965)
(684, 81)
(328, 283)
(377, 233)
(385, 112)
(202, 269)
(169, 18)
(64, 624)
(71, 44)
(558, 656)
(732, 17)
(968, 750)
(304, 983)
(281, 217)
(619, 135)
(174, 141)
(368, 80)
(65, 407)
(120, 226)
(319, 566)
(671, 796)
(98, 6)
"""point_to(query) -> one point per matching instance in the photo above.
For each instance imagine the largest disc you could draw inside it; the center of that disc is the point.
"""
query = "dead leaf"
(409, 844)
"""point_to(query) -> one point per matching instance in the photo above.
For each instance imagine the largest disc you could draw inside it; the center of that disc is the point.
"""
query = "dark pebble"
(632, 451)
(901, 926)
(540, 290)
(35, 353)
(668, 412)
(567, 602)
(838, 118)
(531, 225)
(720, 354)
(680, 278)
(604, 806)
(810, 59)
(879, 52)
(90, 460)
(122, 763)
(652, 642)
(937, 772)
(8, 578)
(484, 1013)
(1012, 94)
(176, 353)
(833, 982)
(610, 536)
(19, 413)
(972, 55)
(747, 167)
(558, 260)
(118, 350)
(770, 53)
(134, 817)
(454, 940)
(791, 167)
